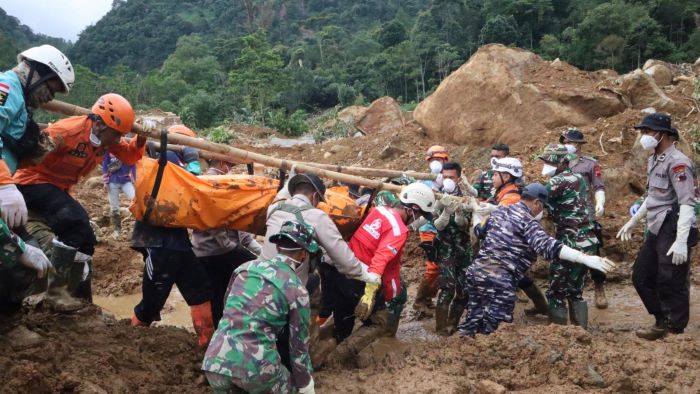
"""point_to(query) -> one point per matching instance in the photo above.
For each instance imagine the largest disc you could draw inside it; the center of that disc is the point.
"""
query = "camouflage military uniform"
(266, 296)
(513, 239)
(484, 185)
(573, 220)
(15, 279)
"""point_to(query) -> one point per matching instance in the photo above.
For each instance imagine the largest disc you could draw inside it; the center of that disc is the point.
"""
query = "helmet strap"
(30, 86)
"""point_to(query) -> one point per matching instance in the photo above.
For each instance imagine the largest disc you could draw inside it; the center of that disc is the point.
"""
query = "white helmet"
(55, 60)
(510, 165)
(419, 194)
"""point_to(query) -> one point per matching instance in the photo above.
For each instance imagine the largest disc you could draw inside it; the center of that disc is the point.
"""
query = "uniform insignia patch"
(678, 169)
(4, 93)
(597, 171)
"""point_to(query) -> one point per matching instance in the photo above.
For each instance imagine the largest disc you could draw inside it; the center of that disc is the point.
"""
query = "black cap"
(312, 179)
(572, 134)
(658, 122)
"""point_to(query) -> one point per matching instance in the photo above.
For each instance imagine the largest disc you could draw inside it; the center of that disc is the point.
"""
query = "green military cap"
(301, 234)
(556, 153)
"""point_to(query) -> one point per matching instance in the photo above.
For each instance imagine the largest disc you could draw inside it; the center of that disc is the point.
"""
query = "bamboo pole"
(232, 153)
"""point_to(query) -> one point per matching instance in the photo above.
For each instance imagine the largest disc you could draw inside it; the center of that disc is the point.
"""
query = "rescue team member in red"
(80, 144)
(378, 243)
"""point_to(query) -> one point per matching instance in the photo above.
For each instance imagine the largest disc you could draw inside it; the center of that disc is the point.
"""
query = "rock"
(489, 387)
(557, 64)
(555, 356)
(390, 151)
(358, 134)
(662, 75)
(22, 338)
(327, 155)
(383, 115)
(339, 148)
(350, 114)
(94, 182)
(649, 110)
(594, 377)
(505, 95)
(641, 92)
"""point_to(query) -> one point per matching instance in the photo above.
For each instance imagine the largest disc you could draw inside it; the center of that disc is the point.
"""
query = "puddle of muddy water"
(176, 312)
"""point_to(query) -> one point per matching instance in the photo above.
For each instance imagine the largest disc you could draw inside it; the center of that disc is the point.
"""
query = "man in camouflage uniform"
(512, 242)
(454, 253)
(573, 221)
(265, 297)
(573, 139)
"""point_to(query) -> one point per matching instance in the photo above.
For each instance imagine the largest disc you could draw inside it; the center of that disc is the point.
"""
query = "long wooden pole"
(64, 108)
(233, 153)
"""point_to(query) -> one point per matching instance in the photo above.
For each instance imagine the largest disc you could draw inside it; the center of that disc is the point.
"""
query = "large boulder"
(641, 91)
(383, 115)
(508, 94)
(661, 74)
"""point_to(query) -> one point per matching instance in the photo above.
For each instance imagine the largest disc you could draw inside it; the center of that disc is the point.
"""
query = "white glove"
(12, 207)
(369, 277)
(599, 203)
(485, 209)
(35, 259)
(468, 188)
(594, 262)
(418, 223)
(679, 249)
(309, 389)
(148, 125)
(625, 233)
(443, 220)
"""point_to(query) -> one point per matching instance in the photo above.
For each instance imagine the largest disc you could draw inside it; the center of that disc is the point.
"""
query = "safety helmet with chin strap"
(510, 165)
(54, 60)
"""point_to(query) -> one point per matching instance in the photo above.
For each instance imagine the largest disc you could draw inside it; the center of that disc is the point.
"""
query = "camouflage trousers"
(278, 380)
(492, 298)
(452, 277)
(566, 279)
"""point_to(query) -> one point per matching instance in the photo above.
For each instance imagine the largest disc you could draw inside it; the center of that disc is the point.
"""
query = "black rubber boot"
(578, 311)
(441, 312)
(557, 315)
(538, 300)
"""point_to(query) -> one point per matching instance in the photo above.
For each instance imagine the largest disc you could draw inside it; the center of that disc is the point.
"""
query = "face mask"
(95, 140)
(539, 216)
(571, 148)
(449, 186)
(548, 170)
(435, 167)
(648, 142)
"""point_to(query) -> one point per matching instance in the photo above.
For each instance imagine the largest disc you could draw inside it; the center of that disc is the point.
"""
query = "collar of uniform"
(668, 152)
(302, 198)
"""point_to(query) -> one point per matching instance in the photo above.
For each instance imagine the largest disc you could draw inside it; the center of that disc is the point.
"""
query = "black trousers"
(66, 217)
(347, 293)
(662, 286)
(219, 271)
(163, 269)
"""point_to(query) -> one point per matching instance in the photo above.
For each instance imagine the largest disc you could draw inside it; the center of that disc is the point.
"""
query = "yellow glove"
(364, 308)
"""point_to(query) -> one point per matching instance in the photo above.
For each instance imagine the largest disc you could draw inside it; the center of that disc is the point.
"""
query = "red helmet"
(115, 111)
(182, 129)
(437, 152)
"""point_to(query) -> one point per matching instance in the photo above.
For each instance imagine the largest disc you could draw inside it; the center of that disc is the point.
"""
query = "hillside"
(15, 36)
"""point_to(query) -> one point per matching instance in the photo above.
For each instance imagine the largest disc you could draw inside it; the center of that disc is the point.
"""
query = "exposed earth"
(96, 350)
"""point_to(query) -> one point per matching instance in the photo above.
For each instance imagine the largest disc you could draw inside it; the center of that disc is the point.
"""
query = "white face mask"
(435, 167)
(95, 140)
(648, 142)
(539, 216)
(548, 170)
(571, 148)
(449, 186)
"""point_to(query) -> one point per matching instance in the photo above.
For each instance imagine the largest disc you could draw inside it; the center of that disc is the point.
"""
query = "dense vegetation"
(272, 60)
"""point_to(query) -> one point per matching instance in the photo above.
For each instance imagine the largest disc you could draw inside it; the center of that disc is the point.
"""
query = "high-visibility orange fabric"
(426, 236)
(431, 272)
(508, 195)
(74, 156)
(238, 202)
(5, 176)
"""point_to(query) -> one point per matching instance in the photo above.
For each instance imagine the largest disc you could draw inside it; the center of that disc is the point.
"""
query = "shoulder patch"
(597, 171)
(4, 93)
(678, 168)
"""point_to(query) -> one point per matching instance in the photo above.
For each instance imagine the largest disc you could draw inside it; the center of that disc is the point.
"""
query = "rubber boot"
(538, 300)
(441, 312)
(203, 323)
(392, 324)
(117, 224)
(601, 301)
(59, 296)
(455, 313)
(80, 280)
(657, 331)
(557, 315)
(421, 304)
(578, 312)
(345, 354)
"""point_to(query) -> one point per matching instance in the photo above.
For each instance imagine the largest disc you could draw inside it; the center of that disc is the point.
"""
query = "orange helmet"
(115, 111)
(437, 152)
(182, 129)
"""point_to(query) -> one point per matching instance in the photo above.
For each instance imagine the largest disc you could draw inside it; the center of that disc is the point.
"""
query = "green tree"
(500, 29)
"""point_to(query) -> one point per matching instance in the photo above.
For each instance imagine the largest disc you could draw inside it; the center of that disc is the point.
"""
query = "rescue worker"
(436, 157)
(379, 243)
(454, 253)
(266, 298)
(169, 260)
(482, 188)
(661, 271)
(221, 251)
(512, 242)
(573, 222)
(118, 178)
(574, 140)
(80, 143)
(507, 173)
(40, 73)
